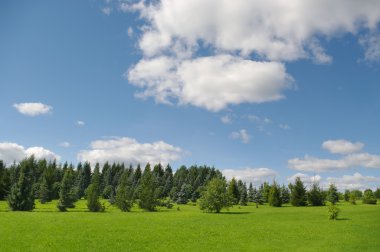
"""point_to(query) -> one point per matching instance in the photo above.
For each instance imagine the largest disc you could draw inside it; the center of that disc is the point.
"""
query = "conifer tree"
(243, 195)
(93, 192)
(124, 192)
(147, 190)
(332, 194)
(21, 195)
(233, 191)
(285, 194)
(251, 192)
(43, 192)
(315, 196)
(298, 193)
(274, 197)
(67, 195)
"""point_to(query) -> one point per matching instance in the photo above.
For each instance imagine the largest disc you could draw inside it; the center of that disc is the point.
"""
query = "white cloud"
(106, 11)
(241, 135)
(33, 108)
(212, 82)
(354, 160)
(274, 30)
(307, 179)
(80, 123)
(254, 175)
(284, 126)
(130, 32)
(128, 150)
(226, 119)
(10, 152)
(342, 146)
(356, 181)
(65, 144)
(371, 44)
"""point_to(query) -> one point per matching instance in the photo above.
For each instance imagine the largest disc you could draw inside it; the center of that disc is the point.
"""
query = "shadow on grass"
(343, 219)
(234, 212)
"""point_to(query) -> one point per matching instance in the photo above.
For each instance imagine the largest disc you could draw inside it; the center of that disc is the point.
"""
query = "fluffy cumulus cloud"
(12, 152)
(371, 44)
(241, 135)
(80, 123)
(33, 108)
(353, 158)
(355, 181)
(342, 146)
(244, 42)
(254, 175)
(212, 82)
(130, 151)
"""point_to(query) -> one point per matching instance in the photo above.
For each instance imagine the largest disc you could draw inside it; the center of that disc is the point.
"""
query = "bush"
(369, 197)
(333, 212)
(215, 197)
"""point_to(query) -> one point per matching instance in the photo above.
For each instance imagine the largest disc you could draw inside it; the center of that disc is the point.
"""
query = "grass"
(239, 229)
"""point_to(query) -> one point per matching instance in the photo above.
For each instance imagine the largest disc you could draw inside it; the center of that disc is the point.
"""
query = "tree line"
(149, 187)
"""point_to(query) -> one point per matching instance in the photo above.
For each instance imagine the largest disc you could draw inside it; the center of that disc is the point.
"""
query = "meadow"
(244, 228)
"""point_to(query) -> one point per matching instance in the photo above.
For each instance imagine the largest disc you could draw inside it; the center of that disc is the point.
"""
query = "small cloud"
(254, 175)
(65, 144)
(307, 179)
(284, 126)
(33, 108)
(80, 123)
(241, 135)
(12, 152)
(130, 32)
(342, 146)
(106, 11)
(226, 119)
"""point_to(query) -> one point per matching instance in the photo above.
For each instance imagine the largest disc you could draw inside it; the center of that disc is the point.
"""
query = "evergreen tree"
(124, 192)
(4, 181)
(369, 197)
(285, 194)
(332, 194)
(233, 191)
(315, 196)
(258, 197)
(21, 196)
(43, 192)
(67, 194)
(168, 178)
(243, 195)
(215, 196)
(147, 190)
(346, 195)
(251, 193)
(93, 192)
(377, 193)
(265, 189)
(274, 197)
(298, 193)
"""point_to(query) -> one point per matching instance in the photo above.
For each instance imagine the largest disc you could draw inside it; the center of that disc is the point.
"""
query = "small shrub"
(333, 212)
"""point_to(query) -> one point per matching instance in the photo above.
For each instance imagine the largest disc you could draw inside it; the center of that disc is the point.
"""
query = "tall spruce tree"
(21, 196)
(4, 180)
(233, 191)
(274, 197)
(124, 192)
(243, 195)
(67, 194)
(93, 192)
(251, 193)
(315, 196)
(285, 194)
(147, 190)
(332, 194)
(298, 193)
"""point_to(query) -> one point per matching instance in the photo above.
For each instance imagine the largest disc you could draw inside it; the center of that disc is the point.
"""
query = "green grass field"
(239, 229)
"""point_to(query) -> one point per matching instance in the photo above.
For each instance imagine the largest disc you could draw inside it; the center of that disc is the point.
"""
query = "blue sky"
(259, 90)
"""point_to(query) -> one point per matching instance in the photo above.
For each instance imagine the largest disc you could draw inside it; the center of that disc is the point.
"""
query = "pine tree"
(285, 194)
(243, 195)
(258, 197)
(265, 191)
(147, 190)
(21, 196)
(251, 193)
(124, 192)
(4, 180)
(233, 191)
(93, 192)
(274, 197)
(346, 195)
(67, 195)
(43, 192)
(315, 196)
(168, 178)
(298, 193)
(332, 194)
